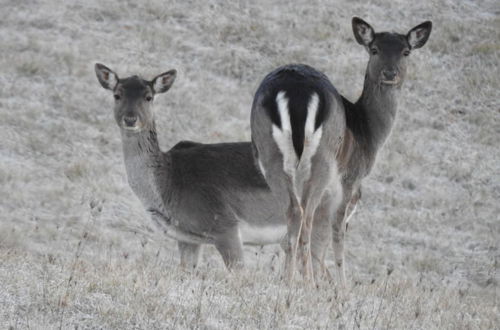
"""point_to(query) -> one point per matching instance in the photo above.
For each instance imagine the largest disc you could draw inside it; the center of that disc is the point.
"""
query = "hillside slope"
(76, 246)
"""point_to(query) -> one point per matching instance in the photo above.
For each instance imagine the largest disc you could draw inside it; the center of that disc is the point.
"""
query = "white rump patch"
(312, 139)
(298, 169)
(283, 136)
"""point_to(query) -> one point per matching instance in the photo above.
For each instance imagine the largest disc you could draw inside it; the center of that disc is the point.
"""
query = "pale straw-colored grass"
(77, 249)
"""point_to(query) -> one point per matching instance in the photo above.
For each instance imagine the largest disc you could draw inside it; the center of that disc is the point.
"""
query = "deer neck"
(377, 105)
(145, 166)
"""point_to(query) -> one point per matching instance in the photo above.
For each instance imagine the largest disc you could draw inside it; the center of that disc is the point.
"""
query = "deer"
(297, 124)
(315, 147)
(195, 193)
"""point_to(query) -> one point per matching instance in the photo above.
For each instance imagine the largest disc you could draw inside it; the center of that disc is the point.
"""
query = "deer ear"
(363, 32)
(164, 81)
(417, 37)
(106, 76)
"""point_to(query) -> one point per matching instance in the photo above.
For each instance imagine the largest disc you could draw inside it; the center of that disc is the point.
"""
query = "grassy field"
(78, 251)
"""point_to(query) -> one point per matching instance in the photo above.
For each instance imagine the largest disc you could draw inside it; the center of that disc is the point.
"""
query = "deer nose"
(129, 120)
(389, 75)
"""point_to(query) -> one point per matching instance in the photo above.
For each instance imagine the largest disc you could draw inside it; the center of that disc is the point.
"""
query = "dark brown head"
(389, 51)
(134, 96)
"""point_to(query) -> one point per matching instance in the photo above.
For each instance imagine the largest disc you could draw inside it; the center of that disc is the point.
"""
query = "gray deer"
(197, 193)
(315, 147)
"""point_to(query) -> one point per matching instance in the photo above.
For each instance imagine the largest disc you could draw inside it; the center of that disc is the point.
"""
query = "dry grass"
(76, 248)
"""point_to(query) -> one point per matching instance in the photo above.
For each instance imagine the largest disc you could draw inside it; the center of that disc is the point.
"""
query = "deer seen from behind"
(299, 121)
(370, 119)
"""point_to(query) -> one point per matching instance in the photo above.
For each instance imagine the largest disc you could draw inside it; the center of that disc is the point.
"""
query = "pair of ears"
(364, 33)
(416, 37)
(160, 84)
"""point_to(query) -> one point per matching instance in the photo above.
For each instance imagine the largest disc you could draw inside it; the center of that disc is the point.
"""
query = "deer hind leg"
(304, 246)
(321, 193)
(283, 188)
(295, 214)
(309, 203)
(320, 236)
(351, 207)
(279, 169)
(190, 254)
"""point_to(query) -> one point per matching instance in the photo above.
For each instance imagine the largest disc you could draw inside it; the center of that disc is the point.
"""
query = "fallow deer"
(197, 193)
(315, 147)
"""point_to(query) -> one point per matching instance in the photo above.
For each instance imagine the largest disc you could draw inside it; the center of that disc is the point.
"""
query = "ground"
(78, 251)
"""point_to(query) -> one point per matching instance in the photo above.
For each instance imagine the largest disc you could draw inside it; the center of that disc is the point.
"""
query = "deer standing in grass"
(297, 123)
(197, 193)
(315, 147)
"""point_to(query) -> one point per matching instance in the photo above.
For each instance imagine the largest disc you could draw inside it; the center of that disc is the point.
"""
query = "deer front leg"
(338, 235)
(230, 247)
(339, 227)
(190, 254)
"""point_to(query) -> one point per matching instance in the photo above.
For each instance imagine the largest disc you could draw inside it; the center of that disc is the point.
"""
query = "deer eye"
(117, 97)
(374, 51)
(406, 52)
(149, 98)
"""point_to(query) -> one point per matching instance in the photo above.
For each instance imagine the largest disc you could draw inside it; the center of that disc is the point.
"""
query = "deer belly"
(261, 235)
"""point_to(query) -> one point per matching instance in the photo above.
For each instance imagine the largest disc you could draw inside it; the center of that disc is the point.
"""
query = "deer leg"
(283, 187)
(351, 196)
(338, 234)
(313, 192)
(304, 247)
(231, 249)
(343, 216)
(320, 237)
(190, 254)
(305, 244)
(294, 215)
(351, 207)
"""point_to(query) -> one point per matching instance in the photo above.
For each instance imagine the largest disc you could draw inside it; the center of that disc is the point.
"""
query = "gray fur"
(363, 131)
(196, 193)
(371, 118)
(306, 191)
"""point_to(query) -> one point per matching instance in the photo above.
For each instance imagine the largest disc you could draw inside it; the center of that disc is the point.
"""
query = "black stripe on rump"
(299, 82)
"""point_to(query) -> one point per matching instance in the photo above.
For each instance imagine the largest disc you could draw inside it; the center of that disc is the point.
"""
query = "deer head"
(134, 96)
(389, 51)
